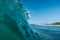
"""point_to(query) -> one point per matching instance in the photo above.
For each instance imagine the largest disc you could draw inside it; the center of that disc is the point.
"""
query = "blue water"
(49, 32)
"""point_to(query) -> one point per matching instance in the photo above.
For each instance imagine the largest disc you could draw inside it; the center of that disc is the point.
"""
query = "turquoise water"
(14, 24)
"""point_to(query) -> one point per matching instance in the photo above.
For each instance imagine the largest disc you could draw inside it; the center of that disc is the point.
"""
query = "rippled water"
(49, 32)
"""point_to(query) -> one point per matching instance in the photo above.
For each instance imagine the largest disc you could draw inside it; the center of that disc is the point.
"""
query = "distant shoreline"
(50, 25)
(54, 25)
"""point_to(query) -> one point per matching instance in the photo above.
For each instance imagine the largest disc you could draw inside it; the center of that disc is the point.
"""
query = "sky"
(43, 11)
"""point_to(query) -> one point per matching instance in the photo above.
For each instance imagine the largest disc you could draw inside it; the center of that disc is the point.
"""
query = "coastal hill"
(57, 23)
(54, 24)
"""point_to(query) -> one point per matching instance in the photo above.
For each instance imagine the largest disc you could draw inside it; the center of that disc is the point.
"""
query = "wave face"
(13, 22)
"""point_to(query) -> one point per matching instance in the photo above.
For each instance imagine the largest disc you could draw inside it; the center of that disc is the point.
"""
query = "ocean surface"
(49, 32)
